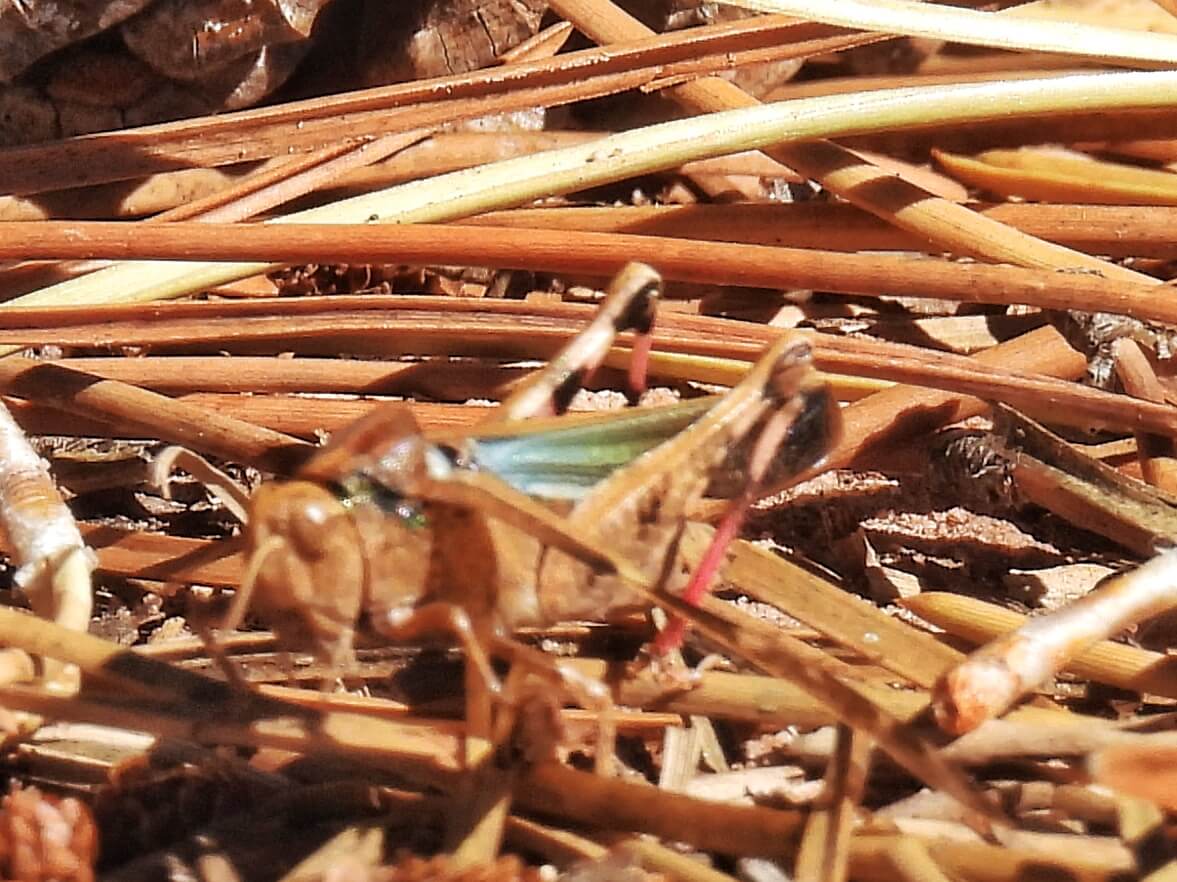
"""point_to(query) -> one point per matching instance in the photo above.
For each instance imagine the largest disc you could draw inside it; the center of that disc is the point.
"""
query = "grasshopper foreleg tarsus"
(629, 305)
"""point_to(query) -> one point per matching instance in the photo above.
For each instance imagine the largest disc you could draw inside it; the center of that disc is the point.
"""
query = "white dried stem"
(54, 563)
(995, 676)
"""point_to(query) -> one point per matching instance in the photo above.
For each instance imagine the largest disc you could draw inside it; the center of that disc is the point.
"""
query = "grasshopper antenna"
(629, 305)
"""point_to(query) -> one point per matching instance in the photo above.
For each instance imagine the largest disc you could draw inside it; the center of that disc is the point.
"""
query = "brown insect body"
(411, 535)
(350, 538)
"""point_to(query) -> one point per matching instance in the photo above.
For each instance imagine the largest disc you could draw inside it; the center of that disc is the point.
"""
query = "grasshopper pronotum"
(520, 523)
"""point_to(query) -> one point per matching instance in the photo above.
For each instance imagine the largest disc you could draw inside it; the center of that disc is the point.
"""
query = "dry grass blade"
(889, 642)
(824, 855)
(555, 790)
(514, 181)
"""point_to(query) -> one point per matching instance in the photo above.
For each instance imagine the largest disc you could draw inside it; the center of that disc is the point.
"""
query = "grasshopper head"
(320, 559)
(306, 572)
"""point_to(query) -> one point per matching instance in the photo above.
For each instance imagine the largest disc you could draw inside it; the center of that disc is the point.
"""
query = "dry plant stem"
(511, 182)
(1158, 461)
(887, 641)
(54, 561)
(178, 701)
(213, 206)
(842, 172)
(764, 646)
(824, 855)
(702, 262)
(1113, 230)
(164, 558)
(658, 858)
(303, 125)
(912, 862)
(555, 790)
(157, 415)
(1045, 176)
(562, 847)
(1008, 739)
(179, 375)
(1145, 770)
(1116, 664)
(978, 862)
(450, 151)
(764, 700)
(995, 676)
(270, 188)
(442, 380)
(293, 416)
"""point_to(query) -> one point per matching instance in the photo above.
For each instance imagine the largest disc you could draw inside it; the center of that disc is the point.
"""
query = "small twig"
(155, 415)
(1158, 460)
(557, 790)
(824, 855)
(1104, 662)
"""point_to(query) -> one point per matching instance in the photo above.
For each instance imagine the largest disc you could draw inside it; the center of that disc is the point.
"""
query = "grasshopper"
(524, 522)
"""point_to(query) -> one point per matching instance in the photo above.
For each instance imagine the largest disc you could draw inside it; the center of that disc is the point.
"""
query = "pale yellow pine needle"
(998, 31)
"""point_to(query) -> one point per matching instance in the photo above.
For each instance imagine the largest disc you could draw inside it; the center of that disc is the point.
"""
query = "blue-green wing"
(564, 462)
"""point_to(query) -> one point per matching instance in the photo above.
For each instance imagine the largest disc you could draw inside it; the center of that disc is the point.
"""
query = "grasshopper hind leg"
(629, 305)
